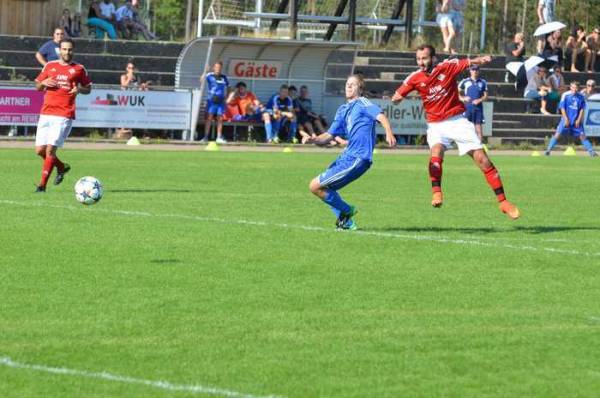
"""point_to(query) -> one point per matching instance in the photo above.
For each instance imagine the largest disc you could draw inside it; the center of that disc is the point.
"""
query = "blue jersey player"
(475, 92)
(355, 119)
(281, 108)
(217, 85)
(572, 108)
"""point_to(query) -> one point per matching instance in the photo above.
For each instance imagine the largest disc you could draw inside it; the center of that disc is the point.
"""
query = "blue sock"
(587, 145)
(293, 129)
(552, 144)
(333, 199)
(335, 211)
(269, 131)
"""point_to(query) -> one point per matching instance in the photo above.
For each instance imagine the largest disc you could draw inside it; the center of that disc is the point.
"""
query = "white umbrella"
(549, 28)
(533, 62)
(513, 67)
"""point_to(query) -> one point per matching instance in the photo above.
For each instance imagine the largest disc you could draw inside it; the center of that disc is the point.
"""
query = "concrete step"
(92, 46)
(521, 132)
(97, 76)
(94, 61)
(498, 61)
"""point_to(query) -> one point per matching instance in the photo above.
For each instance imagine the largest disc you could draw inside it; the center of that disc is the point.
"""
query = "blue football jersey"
(217, 86)
(356, 121)
(572, 104)
(473, 89)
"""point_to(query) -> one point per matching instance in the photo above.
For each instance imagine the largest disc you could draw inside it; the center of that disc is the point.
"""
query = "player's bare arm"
(397, 98)
(565, 118)
(389, 134)
(49, 82)
(321, 139)
(81, 90)
(486, 59)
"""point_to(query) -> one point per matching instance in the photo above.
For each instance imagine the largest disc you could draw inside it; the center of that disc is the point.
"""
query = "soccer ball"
(88, 190)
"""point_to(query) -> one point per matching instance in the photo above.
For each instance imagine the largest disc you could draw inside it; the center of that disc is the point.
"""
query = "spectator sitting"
(249, 108)
(577, 50)
(538, 87)
(444, 20)
(99, 22)
(307, 119)
(108, 10)
(129, 24)
(557, 81)
(281, 108)
(589, 89)
(66, 22)
(49, 51)
(76, 25)
(515, 52)
(553, 48)
(593, 42)
(130, 80)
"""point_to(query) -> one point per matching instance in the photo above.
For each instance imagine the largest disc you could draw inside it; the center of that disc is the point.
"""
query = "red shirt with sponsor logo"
(437, 89)
(58, 101)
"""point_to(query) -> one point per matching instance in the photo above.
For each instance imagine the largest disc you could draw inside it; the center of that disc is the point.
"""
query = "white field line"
(379, 234)
(164, 385)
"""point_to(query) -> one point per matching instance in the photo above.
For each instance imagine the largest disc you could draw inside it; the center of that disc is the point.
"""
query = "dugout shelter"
(263, 64)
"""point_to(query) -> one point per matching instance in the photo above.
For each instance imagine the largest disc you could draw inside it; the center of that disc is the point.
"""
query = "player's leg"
(554, 140)
(293, 129)
(220, 138)
(493, 179)
(61, 168)
(207, 126)
(587, 144)
(339, 174)
(268, 126)
(435, 173)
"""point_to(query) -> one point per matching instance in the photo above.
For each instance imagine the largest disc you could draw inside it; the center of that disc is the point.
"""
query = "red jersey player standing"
(62, 80)
(445, 121)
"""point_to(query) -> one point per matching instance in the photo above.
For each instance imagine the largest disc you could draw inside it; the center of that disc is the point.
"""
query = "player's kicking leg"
(52, 131)
(325, 186)
(587, 145)
(50, 161)
(493, 178)
(435, 174)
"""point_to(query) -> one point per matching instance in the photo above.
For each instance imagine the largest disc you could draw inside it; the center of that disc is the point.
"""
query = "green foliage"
(169, 16)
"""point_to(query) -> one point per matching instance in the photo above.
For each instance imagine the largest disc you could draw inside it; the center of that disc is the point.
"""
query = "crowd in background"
(108, 18)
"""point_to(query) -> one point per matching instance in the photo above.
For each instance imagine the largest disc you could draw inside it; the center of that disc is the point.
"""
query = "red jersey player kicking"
(62, 80)
(445, 121)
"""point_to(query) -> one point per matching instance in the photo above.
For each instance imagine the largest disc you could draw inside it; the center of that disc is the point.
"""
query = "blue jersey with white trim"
(217, 86)
(473, 89)
(356, 120)
(572, 104)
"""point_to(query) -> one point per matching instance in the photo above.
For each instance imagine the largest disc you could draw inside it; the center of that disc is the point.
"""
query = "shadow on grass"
(165, 261)
(545, 229)
(145, 190)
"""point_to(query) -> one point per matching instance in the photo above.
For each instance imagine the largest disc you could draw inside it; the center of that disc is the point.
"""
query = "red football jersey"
(58, 101)
(438, 89)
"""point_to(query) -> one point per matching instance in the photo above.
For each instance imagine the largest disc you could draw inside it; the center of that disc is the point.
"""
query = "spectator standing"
(458, 17)
(593, 42)
(589, 89)
(515, 52)
(475, 92)
(50, 50)
(572, 108)
(577, 50)
(281, 107)
(99, 22)
(538, 87)
(218, 84)
(444, 20)
(545, 11)
(250, 109)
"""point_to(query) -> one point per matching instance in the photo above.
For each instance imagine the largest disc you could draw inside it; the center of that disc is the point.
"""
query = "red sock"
(494, 181)
(435, 173)
(47, 170)
(60, 166)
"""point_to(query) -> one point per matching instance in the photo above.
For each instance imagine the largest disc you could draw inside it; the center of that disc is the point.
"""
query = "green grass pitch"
(220, 270)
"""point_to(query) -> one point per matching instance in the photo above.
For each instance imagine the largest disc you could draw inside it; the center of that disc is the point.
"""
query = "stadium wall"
(29, 17)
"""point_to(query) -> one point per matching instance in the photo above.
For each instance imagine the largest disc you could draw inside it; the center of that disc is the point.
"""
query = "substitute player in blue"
(475, 92)
(356, 119)
(281, 109)
(215, 104)
(572, 108)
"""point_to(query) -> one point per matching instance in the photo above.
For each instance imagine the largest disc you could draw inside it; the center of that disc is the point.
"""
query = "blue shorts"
(572, 130)
(474, 115)
(215, 108)
(342, 172)
(255, 117)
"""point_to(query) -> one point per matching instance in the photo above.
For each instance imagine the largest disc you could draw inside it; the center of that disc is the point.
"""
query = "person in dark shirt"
(515, 52)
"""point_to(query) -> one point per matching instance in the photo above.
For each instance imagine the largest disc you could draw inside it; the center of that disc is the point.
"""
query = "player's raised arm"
(321, 139)
(486, 59)
(389, 134)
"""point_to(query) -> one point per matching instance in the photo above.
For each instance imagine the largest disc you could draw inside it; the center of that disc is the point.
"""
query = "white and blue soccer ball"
(88, 190)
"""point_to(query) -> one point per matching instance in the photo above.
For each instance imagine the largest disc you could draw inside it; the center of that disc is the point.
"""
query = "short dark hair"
(240, 84)
(219, 63)
(292, 88)
(427, 47)
(66, 40)
(574, 82)
(284, 86)
(304, 87)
